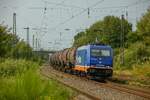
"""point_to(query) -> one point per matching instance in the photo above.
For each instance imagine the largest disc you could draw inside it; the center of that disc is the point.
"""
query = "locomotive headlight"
(107, 66)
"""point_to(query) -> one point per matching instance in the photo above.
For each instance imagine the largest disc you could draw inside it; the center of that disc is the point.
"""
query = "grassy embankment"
(136, 68)
(19, 80)
(138, 75)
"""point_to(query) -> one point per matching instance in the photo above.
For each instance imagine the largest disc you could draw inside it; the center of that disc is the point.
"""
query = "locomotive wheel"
(64, 70)
(83, 74)
(73, 72)
(78, 73)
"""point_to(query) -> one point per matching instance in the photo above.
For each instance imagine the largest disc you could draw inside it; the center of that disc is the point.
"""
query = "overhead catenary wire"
(130, 5)
(95, 4)
(44, 24)
(45, 19)
(69, 19)
(124, 8)
(90, 9)
(135, 3)
(85, 9)
(76, 15)
(64, 5)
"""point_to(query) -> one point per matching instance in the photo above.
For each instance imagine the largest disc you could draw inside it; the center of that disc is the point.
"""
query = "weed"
(20, 81)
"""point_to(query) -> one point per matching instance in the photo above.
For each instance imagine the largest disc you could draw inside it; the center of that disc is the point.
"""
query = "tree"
(80, 39)
(10, 46)
(22, 50)
(138, 51)
(143, 28)
(7, 41)
(106, 31)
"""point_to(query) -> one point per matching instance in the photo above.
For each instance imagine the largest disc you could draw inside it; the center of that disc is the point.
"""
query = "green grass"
(30, 86)
(139, 74)
(27, 84)
(10, 67)
(136, 67)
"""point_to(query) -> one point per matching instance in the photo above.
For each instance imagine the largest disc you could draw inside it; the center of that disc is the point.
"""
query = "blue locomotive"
(94, 60)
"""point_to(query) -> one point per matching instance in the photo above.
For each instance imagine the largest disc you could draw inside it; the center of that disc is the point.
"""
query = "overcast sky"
(64, 14)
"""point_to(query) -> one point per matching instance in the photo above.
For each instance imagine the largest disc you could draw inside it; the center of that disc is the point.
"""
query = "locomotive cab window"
(98, 53)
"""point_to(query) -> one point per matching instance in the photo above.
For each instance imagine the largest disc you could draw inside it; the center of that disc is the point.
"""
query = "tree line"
(109, 30)
(13, 47)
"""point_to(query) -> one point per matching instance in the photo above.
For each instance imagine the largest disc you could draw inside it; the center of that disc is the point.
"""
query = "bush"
(20, 81)
(10, 67)
(137, 53)
(142, 70)
(29, 86)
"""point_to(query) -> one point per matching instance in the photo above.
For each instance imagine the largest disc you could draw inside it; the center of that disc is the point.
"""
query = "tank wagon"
(94, 60)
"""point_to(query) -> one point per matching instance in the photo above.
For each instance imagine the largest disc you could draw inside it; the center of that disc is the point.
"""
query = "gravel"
(88, 86)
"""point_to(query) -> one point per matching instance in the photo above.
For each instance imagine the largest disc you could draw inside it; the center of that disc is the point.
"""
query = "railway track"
(139, 92)
(123, 88)
(73, 88)
(96, 90)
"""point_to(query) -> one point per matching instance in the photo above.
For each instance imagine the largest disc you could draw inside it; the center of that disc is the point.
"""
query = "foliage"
(80, 39)
(7, 41)
(142, 70)
(132, 37)
(143, 28)
(10, 67)
(22, 50)
(11, 46)
(137, 55)
(138, 76)
(20, 81)
(30, 86)
(137, 44)
(106, 31)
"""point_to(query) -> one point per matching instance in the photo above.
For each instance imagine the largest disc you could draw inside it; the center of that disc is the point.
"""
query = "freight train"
(93, 60)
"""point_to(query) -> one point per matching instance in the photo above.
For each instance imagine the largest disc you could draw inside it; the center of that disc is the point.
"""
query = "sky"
(55, 22)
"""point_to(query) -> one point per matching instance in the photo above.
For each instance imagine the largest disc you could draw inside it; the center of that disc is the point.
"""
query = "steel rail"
(73, 88)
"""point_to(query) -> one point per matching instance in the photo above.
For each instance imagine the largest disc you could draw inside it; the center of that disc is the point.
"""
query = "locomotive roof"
(93, 45)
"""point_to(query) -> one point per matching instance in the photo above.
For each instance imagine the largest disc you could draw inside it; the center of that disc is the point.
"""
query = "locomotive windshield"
(100, 52)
